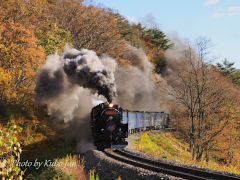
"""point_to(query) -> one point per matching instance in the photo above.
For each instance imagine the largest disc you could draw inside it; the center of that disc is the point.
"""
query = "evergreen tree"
(228, 70)
(226, 67)
(157, 39)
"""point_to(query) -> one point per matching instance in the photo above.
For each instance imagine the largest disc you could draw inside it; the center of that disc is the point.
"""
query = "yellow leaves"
(150, 56)
(5, 77)
(10, 151)
(3, 48)
(54, 39)
(20, 57)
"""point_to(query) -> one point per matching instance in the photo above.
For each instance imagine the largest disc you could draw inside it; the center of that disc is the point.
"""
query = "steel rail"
(166, 168)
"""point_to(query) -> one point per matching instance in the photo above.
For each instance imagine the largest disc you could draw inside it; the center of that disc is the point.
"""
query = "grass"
(53, 150)
(57, 162)
(42, 144)
(165, 145)
(66, 168)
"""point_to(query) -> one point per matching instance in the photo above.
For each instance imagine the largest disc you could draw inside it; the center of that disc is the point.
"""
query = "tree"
(35, 14)
(30, 13)
(226, 67)
(90, 27)
(139, 36)
(152, 40)
(156, 39)
(131, 32)
(20, 58)
(53, 38)
(205, 100)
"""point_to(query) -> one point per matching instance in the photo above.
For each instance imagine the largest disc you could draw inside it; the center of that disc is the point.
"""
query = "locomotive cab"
(108, 128)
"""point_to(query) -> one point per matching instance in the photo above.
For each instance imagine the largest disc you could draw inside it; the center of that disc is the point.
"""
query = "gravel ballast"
(110, 169)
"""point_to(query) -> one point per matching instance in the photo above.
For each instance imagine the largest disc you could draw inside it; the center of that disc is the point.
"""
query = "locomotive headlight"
(110, 105)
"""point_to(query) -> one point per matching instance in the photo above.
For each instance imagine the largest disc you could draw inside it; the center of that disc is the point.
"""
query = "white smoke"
(136, 87)
(71, 84)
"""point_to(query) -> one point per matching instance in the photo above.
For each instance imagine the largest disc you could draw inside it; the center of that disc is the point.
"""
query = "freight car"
(111, 124)
(144, 120)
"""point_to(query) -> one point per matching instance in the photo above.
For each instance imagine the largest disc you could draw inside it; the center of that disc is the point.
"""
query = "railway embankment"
(110, 169)
(169, 148)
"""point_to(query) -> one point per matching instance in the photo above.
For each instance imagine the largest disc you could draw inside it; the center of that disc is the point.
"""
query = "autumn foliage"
(207, 110)
(10, 151)
(20, 59)
(30, 30)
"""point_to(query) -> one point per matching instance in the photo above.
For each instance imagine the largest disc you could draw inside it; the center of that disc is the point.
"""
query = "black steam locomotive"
(111, 124)
(108, 129)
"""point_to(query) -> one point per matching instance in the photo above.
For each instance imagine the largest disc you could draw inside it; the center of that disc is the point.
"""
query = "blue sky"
(218, 20)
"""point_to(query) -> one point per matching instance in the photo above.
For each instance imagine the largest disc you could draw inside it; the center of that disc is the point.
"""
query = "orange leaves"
(5, 77)
(17, 43)
(90, 27)
(19, 59)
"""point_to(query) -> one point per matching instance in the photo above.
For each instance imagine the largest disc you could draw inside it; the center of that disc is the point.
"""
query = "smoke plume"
(136, 84)
(68, 84)
(87, 70)
(83, 68)
(71, 84)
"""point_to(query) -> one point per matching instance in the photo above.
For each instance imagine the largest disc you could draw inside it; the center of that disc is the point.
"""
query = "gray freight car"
(143, 120)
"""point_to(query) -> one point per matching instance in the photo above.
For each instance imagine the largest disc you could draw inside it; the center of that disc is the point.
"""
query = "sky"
(218, 20)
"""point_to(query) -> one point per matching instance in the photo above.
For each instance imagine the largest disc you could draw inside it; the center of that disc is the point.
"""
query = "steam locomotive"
(111, 124)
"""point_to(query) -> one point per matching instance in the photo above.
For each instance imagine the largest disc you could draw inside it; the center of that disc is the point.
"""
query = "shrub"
(10, 151)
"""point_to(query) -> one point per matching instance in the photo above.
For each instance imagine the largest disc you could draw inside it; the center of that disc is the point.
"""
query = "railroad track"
(162, 167)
